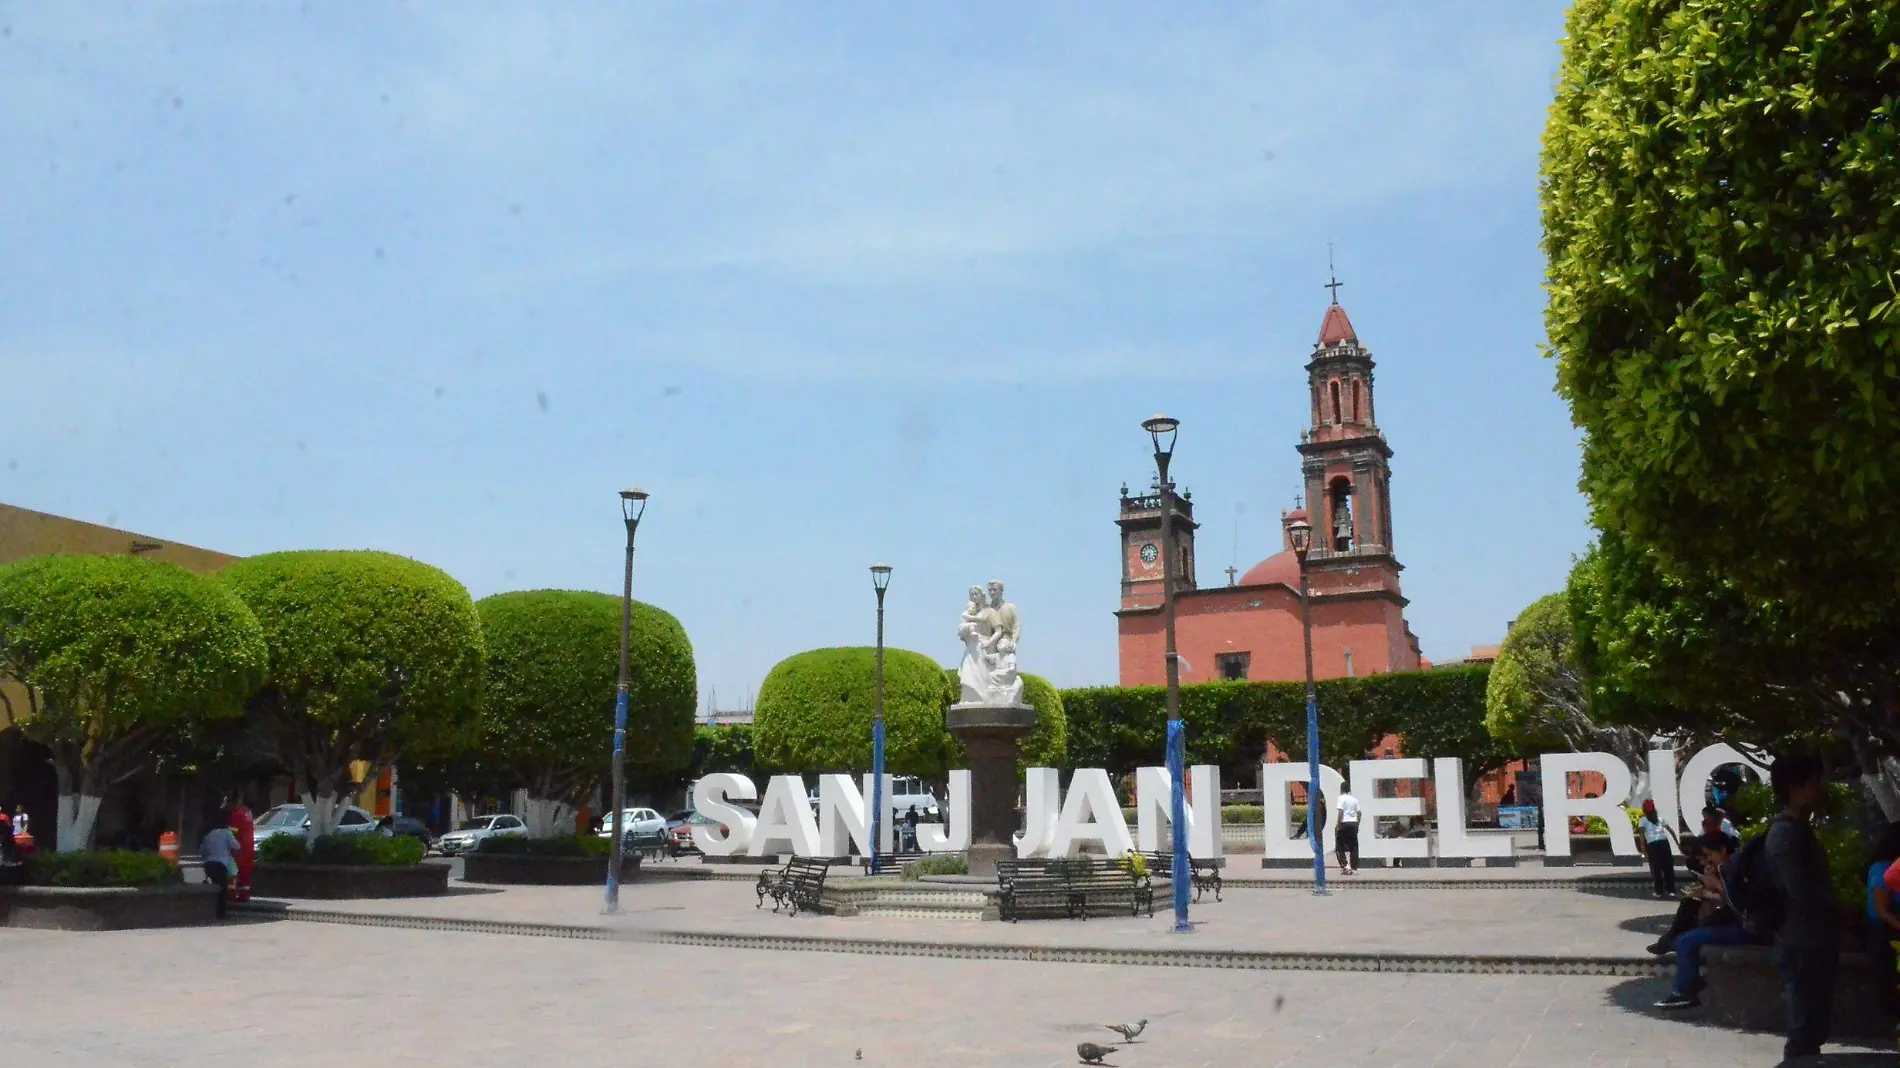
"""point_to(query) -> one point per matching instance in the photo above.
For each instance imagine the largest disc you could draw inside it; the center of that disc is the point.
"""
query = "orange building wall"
(1212, 622)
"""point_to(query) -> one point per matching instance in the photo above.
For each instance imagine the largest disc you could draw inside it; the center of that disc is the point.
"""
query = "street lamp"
(633, 504)
(1301, 533)
(1162, 430)
(880, 581)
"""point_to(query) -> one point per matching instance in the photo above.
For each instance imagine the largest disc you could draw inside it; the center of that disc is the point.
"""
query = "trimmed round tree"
(814, 713)
(548, 718)
(1047, 746)
(372, 656)
(115, 654)
(1719, 191)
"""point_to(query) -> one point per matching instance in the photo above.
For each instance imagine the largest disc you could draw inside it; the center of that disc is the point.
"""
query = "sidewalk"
(1429, 929)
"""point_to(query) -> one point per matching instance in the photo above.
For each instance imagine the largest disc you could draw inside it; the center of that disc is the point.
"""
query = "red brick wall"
(1210, 622)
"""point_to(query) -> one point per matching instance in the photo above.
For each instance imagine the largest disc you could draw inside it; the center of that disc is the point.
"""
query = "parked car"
(468, 837)
(412, 827)
(679, 836)
(639, 828)
(294, 820)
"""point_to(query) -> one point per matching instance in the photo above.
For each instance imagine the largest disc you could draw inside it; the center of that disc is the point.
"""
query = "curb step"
(1250, 960)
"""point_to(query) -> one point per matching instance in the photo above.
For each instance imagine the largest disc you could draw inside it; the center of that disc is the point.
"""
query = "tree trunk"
(548, 817)
(324, 810)
(78, 813)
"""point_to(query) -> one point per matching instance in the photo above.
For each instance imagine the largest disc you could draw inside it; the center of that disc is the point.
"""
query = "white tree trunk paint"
(324, 812)
(78, 813)
(548, 818)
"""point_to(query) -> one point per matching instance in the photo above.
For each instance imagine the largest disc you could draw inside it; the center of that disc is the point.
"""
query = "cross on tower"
(1231, 572)
(1334, 275)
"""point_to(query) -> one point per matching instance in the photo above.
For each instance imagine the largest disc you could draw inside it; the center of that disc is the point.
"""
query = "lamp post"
(633, 504)
(880, 581)
(1301, 532)
(1162, 430)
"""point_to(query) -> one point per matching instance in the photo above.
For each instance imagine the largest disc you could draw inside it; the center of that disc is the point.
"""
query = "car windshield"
(479, 823)
(283, 816)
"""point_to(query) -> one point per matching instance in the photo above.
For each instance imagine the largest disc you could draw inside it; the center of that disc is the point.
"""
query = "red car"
(679, 833)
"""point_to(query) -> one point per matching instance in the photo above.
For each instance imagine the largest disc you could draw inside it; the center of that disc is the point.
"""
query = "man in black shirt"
(1807, 945)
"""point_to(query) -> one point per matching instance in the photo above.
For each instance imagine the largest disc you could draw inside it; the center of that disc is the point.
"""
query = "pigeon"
(1279, 1001)
(1129, 1032)
(1092, 1053)
(860, 1055)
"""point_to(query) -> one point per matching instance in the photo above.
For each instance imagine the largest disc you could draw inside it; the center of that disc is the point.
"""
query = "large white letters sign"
(1275, 780)
(1089, 814)
(1366, 777)
(1559, 806)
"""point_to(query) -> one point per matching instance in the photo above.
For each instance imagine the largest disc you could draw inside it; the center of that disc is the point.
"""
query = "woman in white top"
(1346, 836)
(1662, 863)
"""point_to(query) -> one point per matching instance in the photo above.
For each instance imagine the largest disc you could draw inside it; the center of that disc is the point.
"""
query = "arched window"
(1340, 533)
(1355, 400)
(1335, 387)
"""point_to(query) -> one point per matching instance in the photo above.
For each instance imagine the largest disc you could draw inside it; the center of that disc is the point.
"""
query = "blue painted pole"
(877, 793)
(1315, 833)
(1177, 802)
(620, 756)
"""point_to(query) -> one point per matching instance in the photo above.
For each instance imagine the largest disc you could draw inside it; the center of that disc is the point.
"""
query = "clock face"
(1149, 552)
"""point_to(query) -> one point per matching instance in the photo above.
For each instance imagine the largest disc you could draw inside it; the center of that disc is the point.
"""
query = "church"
(1250, 627)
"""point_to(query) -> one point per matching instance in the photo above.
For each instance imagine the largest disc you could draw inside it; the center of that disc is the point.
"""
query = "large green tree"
(372, 656)
(116, 655)
(814, 713)
(1538, 695)
(1721, 207)
(1695, 656)
(548, 717)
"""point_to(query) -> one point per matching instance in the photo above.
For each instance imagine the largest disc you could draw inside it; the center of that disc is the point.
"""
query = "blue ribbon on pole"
(1177, 813)
(620, 747)
(877, 793)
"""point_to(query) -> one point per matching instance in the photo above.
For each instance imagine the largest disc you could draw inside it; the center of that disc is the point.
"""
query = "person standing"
(1807, 942)
(1662, 862)
(1881, 927)
(218, 851)
(1346, 836)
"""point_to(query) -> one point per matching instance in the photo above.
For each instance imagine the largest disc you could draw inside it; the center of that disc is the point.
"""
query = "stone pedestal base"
(992, 738)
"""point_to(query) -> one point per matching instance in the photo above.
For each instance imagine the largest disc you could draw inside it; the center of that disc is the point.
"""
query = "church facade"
(1250, 627)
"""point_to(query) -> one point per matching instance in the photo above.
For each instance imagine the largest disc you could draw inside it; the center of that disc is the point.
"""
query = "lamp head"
(1162, 429)
(881, 576)
(633, 504)
(1301, 534)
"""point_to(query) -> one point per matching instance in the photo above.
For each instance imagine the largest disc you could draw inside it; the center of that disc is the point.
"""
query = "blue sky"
(836, 283)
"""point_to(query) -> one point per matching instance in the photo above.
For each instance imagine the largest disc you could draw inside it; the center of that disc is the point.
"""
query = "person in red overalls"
(245, 828)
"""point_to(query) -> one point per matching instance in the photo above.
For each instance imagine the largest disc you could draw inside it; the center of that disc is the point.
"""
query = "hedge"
(814, 713)
(1438, 713)
(343, 850)
(573, 845)
(105, 867)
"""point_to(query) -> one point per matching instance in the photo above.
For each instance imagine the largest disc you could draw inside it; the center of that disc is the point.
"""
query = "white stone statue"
(990, 629)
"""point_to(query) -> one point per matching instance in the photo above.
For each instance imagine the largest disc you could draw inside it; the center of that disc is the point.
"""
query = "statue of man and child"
(990, 630)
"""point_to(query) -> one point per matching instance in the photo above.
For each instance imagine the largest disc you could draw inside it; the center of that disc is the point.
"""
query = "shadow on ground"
(1640, 996)
(1649, 925)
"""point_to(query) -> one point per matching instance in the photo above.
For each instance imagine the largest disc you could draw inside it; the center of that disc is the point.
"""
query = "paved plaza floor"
(280, 993)
(1548, 923)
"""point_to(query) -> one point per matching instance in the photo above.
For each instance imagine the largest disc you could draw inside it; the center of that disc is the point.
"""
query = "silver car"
(468, 837)
(294, 820)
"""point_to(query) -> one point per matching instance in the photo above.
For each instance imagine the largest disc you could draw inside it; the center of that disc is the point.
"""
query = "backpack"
(1752, 891)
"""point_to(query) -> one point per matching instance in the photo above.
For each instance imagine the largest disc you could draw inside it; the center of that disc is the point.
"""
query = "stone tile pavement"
(1462, 921)
(256, 994)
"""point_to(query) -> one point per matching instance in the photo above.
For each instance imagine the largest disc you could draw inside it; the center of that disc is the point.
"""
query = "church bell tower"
(1345, 462)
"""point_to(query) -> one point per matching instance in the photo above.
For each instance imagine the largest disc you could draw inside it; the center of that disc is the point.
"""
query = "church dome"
(1281, 567)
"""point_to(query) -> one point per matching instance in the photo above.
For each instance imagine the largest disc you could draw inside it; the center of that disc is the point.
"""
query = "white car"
(636, 825)
(906, 791)
(294, 820)
(468, 837)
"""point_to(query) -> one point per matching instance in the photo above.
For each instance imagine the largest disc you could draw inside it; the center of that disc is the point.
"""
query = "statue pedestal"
(992, 739)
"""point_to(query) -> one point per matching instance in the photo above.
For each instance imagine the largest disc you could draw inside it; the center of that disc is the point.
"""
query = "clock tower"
(1140, 523)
